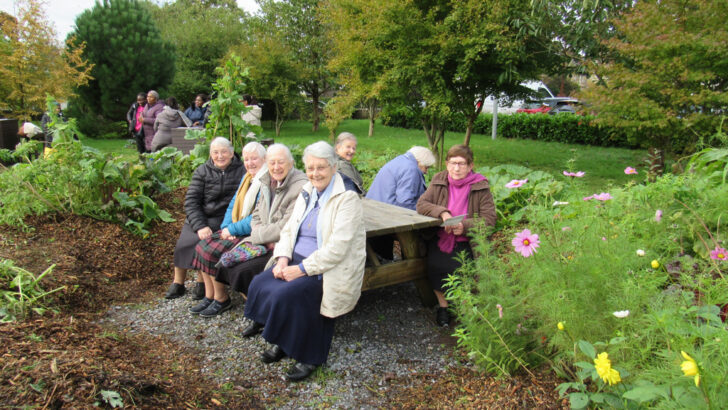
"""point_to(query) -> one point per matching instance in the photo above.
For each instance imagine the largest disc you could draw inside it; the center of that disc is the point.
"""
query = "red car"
(534, 108)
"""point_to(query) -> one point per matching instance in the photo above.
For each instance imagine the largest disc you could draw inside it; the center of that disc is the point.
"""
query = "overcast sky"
(62, 13)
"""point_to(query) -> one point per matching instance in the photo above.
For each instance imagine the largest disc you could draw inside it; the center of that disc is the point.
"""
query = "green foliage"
(112, 398)
(82, 180)
(298, 27)
(572, 129)
(274, 73)
(202, 33)
(226, 106)
(129, 54)
(513, 204)
(21, 291)
(667, 83)
(587, 267)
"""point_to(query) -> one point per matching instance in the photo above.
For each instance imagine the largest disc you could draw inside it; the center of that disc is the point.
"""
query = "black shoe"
(198, 292)
(252, 329)
(300, 371)
(204, 303)
(443, 317)
(216, 308)
(272, 355)
(175, 290)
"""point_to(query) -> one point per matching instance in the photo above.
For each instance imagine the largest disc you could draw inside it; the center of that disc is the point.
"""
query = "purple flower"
(604, 196)
(630, 171)
(526, 243)
(658, 215)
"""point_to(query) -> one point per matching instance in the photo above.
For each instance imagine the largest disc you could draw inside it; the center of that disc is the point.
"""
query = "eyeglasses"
(456, 164)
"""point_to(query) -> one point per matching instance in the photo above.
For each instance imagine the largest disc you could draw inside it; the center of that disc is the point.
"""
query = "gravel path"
(387, 338)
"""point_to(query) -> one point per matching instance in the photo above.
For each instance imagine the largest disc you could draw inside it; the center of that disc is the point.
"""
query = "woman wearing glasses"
(454, 192)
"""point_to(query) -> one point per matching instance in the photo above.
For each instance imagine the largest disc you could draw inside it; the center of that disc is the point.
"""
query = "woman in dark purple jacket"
(149, 115)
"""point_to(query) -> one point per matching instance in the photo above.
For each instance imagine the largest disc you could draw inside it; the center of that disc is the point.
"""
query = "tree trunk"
(278, 120)
(471, 120)
(315, 100)
(372, 108)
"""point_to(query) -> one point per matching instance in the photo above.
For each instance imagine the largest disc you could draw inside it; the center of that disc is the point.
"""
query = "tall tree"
(579, 28)
(273, 74)
(296, 24)
(668, 83)
(438, 57)
(202, 32)
(128, 52)
(33, 64)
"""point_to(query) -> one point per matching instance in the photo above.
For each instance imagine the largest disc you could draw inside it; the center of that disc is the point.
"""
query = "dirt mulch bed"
(66, 360)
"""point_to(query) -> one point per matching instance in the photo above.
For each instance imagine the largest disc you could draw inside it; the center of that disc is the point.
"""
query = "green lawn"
(603, 166)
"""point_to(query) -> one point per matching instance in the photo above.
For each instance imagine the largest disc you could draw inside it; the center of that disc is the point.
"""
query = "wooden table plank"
(381, 219)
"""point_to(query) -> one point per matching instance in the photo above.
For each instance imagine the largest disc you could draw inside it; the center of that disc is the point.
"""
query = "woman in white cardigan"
(316, 271)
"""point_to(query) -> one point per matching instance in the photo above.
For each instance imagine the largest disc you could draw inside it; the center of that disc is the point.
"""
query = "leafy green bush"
(78, 179)
(20, 292)
(638, 273)
(572, 129)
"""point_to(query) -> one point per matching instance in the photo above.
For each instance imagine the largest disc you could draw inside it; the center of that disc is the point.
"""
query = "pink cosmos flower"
(565, 229)
(578, 174)
(604, 196)
(500, 310)
(604, 238)
(516, 183)
(658, 215)
(630, 171)
(719, 254)
(526, 243)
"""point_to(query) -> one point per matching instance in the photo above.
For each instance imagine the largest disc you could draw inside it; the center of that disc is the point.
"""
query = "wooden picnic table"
(384, 219)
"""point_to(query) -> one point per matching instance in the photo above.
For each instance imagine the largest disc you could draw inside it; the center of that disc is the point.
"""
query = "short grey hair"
(423, 156)
(322, 150)
(222, 141)
(154, 93)
(281, 147)
(254, 147)
(344, 136)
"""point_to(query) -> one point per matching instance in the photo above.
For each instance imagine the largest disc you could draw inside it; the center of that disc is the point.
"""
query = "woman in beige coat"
(316, 271)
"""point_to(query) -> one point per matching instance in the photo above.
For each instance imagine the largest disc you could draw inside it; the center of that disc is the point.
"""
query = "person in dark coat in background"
(149, 115)
(211, 188)
(196, 111)
(134, 118)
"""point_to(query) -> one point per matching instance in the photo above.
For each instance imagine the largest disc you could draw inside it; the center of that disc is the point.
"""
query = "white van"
(540, 91)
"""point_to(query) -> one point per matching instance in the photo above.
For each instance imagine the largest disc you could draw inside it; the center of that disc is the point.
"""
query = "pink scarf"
(457, 204)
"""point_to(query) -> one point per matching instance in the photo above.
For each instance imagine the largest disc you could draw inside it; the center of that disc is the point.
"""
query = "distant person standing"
(47, 133)
(196, 111)
(253, 115)
(134, 118)
(149, 116)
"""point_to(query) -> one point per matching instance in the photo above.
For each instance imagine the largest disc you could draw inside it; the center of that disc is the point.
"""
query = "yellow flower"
(605, 371)
(690, 368)
(560, 325)
(655, 264)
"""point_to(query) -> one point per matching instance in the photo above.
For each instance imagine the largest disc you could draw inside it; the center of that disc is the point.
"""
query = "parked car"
(540, 92)
(552, 106)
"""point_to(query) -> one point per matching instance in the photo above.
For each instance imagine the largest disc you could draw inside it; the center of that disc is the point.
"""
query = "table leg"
(412, 248)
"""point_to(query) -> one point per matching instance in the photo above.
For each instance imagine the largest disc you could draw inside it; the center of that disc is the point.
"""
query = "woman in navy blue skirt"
(316, 271)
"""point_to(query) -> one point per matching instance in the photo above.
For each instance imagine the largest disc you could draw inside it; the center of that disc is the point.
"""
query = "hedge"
(566, 128)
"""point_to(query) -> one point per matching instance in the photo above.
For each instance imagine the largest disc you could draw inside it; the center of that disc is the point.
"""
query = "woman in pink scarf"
(454, 192)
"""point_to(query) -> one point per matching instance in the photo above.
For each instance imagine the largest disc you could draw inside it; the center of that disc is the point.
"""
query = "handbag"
(245, 251)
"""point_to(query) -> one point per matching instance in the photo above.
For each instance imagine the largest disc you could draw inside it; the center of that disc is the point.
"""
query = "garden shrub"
(571, 129)
(611, 276)
(78, 179)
